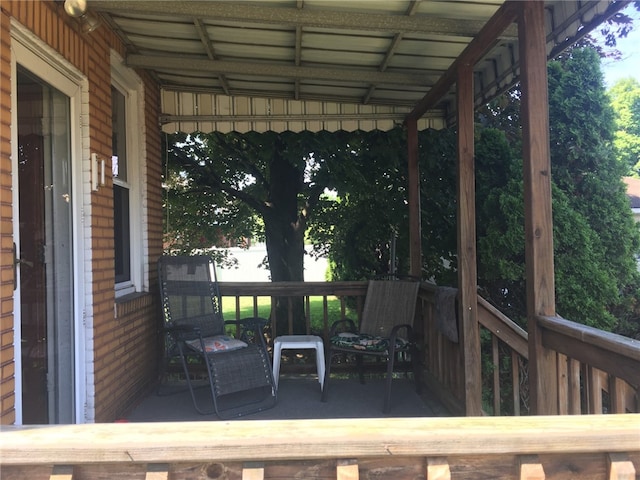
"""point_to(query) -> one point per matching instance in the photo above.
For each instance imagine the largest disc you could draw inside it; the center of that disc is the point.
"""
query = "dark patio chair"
(386, 331)
(238, 368)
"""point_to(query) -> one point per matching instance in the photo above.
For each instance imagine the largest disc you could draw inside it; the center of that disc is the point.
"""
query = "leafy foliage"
(625, 99)
(594, 236)
(357, 226)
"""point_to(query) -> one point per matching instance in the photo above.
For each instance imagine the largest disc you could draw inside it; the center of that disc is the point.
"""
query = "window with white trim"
(127, 157)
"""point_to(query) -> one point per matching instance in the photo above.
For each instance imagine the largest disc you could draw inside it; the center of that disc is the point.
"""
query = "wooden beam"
(477, 48)
(415, 222)
(467, 265)
(290, 440)
(537, 197)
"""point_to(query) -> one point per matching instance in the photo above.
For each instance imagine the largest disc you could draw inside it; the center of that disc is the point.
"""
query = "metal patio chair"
(238, 368)
(385, 331)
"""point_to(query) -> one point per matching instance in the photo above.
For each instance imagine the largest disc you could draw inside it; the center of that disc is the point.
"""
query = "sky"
(629, 64)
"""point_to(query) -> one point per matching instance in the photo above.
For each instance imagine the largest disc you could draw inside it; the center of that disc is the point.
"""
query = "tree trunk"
(284, 232)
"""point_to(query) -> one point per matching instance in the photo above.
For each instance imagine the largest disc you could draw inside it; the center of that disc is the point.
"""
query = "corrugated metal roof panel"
(190, 112)
(371, 53)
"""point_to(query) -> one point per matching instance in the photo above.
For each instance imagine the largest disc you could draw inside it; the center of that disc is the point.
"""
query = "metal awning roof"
(320, 64)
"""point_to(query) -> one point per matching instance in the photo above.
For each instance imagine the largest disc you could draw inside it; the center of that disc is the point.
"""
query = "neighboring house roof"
(633, 191)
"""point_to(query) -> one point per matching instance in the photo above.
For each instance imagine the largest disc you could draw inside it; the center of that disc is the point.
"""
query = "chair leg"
(387, 394)
(417, 373)
(327, 374)
(191, 391)
(360, 364)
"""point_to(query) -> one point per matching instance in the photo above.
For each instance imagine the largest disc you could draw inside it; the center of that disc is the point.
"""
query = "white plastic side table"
(298, 342)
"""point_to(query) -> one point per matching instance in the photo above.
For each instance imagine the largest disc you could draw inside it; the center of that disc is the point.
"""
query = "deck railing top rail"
(612, 353)
(249, 440)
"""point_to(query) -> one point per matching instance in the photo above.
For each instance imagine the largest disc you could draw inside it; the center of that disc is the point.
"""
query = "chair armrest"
(249, 323)
(350, 326)
(394, 332)
(179, 331)
(250, 329)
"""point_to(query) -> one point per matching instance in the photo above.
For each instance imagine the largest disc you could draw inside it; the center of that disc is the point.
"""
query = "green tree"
(625, 100)
(246, 185)
(595, 239)
(368, 213)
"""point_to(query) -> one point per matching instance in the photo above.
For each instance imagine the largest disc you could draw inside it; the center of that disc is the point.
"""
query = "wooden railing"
(561, 447)
(507, 390)
(297, 290)
(504, 353)
(598, 372)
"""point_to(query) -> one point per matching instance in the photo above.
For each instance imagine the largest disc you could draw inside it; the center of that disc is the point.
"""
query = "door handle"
(24, 262)
(18, 261)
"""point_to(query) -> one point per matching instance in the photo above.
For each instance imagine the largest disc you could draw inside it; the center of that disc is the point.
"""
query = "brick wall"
(7, 383)
(124, 336)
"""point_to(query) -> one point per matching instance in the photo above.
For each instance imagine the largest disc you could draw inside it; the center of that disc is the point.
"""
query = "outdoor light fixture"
(78, 9)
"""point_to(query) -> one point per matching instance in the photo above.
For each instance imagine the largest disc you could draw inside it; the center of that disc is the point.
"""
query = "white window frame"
(130, 85)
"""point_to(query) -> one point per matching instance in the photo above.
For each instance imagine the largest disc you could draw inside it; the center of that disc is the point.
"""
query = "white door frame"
(30, 52)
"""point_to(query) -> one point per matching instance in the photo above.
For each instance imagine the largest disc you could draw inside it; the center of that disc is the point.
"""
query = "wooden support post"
(530, 468)
(347, 470)
(467, 267)
(438, 469)
(157, 471)
(415, 233)
(61, 472)
(620, 467)
(537, 198)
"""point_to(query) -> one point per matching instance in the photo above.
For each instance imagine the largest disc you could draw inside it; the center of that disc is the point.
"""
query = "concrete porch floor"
(299, 398)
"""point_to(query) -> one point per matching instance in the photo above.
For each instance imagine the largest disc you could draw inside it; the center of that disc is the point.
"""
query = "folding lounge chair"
(238, 369)
(386, 330)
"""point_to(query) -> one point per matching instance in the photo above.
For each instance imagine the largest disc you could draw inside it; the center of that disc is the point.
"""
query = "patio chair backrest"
(388, 303)
(190, 294)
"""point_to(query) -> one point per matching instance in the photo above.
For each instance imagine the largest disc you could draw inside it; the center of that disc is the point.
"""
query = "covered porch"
(558, 371)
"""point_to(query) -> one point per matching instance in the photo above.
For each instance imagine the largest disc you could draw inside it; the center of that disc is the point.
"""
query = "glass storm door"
(44, 254)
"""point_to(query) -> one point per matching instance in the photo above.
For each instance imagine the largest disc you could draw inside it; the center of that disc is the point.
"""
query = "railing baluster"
(325, 316)
(307, 313)
(616, 396)
(61, 472)
(438, 469)
(574, 387)
(563, 384)
(290, 314)
(347, 470)
(253, 471)
(255, 306)
(273, 317)
(620, 467)
(530, 468)
(595, 390)
(515, 380)
(496, 374)
(157, 471)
